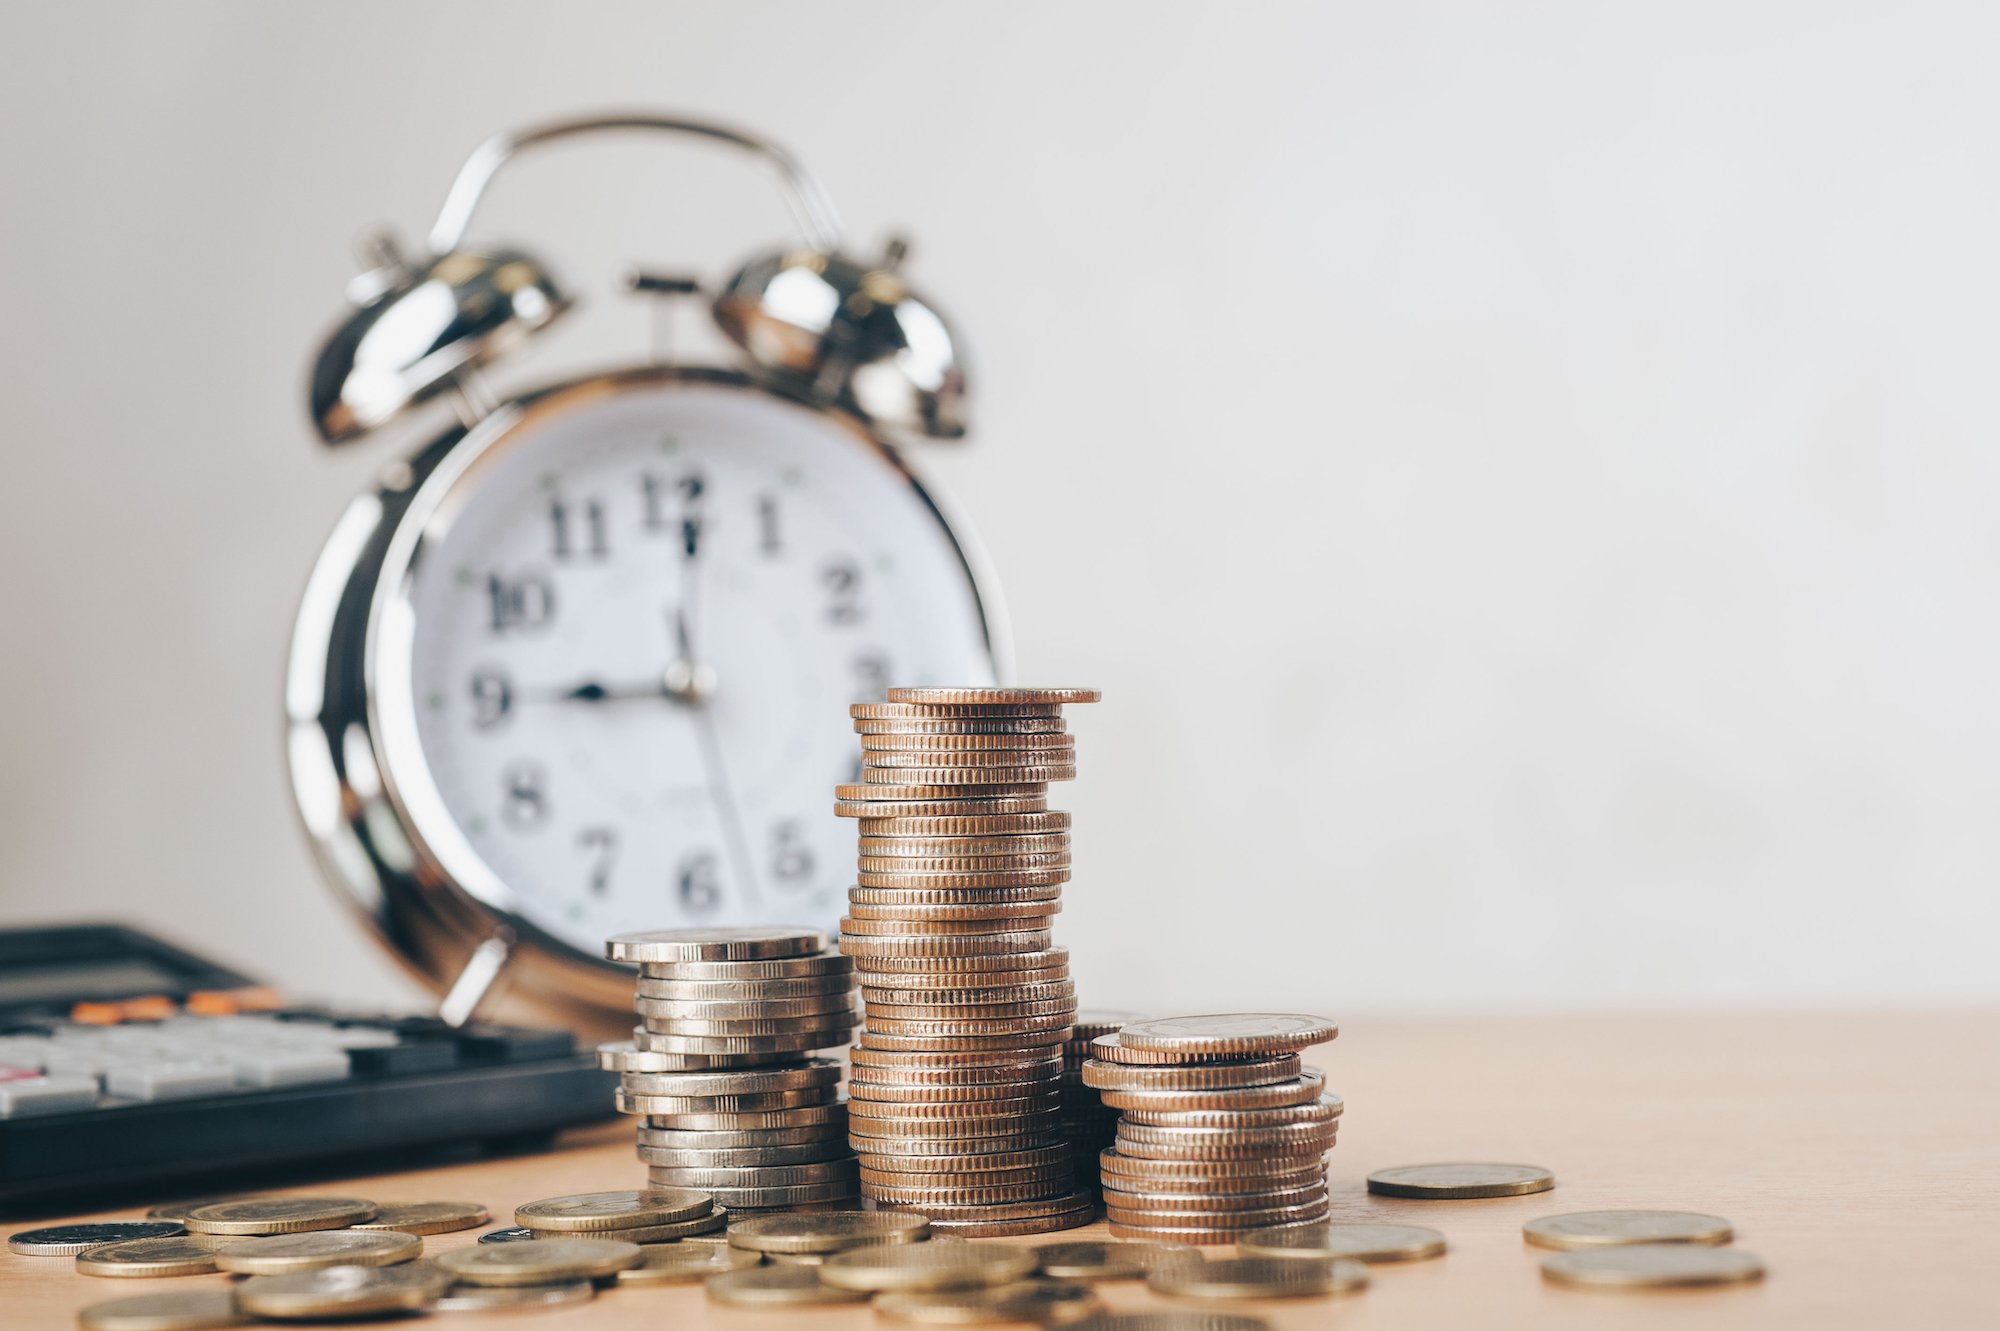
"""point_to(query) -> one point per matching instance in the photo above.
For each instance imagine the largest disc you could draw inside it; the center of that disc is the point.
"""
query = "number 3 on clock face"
(614, 639)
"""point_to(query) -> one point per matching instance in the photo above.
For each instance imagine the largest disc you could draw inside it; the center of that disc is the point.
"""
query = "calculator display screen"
(71, 980)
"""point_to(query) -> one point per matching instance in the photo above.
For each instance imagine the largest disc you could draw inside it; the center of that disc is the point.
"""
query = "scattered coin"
(512, 1234)
(178, 1255)
(586, 1211)
(314, 1250)
(1604, 1229)
(674, 1263)
(1040, 1302)
(426, 1217)
(1461, 1180)
(462, 1298)
(179, 1210)
(1171, 1320)
(277, 1215)
(540, 1261)
(1256, 1278)
(342, 1292)
(1653, 1266)
(1227, 1034)
(831, 1232)
(1110, 1261)
(175, 1310)
(751, 943)
(764, 1286)
(1363, 1243)
(68, 1240)
(927, 1266)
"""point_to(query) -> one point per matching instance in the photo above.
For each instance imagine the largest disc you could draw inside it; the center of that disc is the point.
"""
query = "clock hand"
(593, 691)
(691, 683)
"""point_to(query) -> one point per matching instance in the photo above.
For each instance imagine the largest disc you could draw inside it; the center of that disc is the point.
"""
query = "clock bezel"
(369, 842)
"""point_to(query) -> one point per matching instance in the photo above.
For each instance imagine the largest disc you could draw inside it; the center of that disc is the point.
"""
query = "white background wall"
(1524, 475)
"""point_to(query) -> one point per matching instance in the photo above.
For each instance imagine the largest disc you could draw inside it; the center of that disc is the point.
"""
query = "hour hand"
(591, 690)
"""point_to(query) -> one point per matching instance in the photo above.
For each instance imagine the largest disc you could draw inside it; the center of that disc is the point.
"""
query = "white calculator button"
(162, 1081)
(265, 1067)
(46, 1095)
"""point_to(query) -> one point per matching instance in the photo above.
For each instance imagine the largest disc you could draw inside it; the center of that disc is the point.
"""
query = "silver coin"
(746, 1156)
(69, 1240)
(749, 943)
(462, 1298)
(511, 1234)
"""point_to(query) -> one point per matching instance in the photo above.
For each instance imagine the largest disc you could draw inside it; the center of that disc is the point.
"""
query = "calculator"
(126, 1061)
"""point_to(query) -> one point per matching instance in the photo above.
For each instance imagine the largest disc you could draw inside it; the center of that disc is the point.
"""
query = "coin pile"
(956, 1086)
(1088, 1124)
(721, 1066)
(1221, 1130)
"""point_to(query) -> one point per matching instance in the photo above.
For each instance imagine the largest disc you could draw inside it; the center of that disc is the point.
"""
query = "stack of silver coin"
(721, 1067)
(1089, 1125)
(956, 1084)
(1221, 1128)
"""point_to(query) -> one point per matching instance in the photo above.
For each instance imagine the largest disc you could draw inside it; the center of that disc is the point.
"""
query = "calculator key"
(360, 1037)
(96, 1014)
(166, 1081)
(513, 1044)
(152, 1007)
(404, 1059)
(278, 1068)
(46, 1095)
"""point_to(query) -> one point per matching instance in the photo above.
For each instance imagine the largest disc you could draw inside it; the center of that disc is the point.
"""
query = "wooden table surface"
(1859, 1155)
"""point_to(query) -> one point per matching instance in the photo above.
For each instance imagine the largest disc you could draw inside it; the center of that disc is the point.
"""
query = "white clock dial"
(612, 686)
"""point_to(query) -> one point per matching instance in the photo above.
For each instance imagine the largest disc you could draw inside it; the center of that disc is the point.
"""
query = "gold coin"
(988, 696)
(1233, 1222)
(945, 945)
(1256, 1278)
(313, 1250)
(1027, 1040)
(1653, 1266)
(956, 804)
(426, 1217)
(1301, 1091)
(935, 846)
(1116, 1163)
(665, 1233)
(933, 741)
(826, 1233)
(953, 912)
(1242, 1190)
(1604, 1229)
(1109, 1261)
(175, 1310)
(926, 1266)
(967, 825)
(462, 1298)
(1022, 1210)
(178, 1255)
(676, 1263)
(179, 1210)
(881, 764)
(749, 943)
(1460, 1180)
(975, 710)
(1039, 1302)
(586, 1211)
(964, 995)
(998, 797)
(540, 1261)
(1051, 1022)
(1363, 1243)
(784, 1285)
(342, 1292)
(883, 776)
(964, 725)
(963, 881)
(999, 1229)
(878, 864)
(1222, 1143)
(965, 1163)
(1037, 918)
(1227, 1034)
(737, 1028)
(277, 1215)
(1303, 1193)
(1105, 1076)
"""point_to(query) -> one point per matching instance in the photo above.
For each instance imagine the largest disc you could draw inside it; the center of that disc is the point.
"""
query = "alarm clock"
(581, 664)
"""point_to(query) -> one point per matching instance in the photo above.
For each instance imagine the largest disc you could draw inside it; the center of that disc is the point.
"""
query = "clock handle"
(812, 210)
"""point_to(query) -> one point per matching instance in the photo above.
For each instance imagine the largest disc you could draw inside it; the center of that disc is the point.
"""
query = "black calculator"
(125, 1061)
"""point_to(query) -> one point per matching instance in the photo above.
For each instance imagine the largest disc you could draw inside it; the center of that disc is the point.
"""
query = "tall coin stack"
(956, 1084)
(1089, 1125)
(1221, 1129)
(721, 1065)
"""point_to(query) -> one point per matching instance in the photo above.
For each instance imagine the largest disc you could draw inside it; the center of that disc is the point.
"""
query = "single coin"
(69, 1240)
(1172, 1320)
(831, 1232)
(1109, 1261)
(802, 1117)
(742, 991)
(667, 1233)
(1653, 1266)
(1000, 1229)
(884, 777)
(741, 1157)
(960, 741)
(1363, 1243)
(993, 725)
(1156, 1143)
(764, 1286)
(179, 1210)
(991, 969)
(1023, 1210)
(426, 1217)
(540, 1261)
(277, 1215)
(757, 1176)
(585, 1211)
(1604, 1229)
(931, 914)
(926, 1266)
(947, 945)
(1234, 1222)
(1460, 1180)
(341, 1293)
(1106, 1076)
(881, 798)
(1062, 754)
(698, 1141)
(731, 1081)
(990, 696)
(674, 1263)
(816, 964)
(968, 825)
(769, 1046)
(875, 866)
(463, 1298)
(1304, 1089)
(512, 1234)
(747, 1199)
(1135, 1205)
(1039, 1302)
(1325, 1109)
(175, 1310)
(314, 1250)
(1256, 1278)
(1116, 1164)
(1227, 1034)
(749, 943)
(980, 709)
(176, 1255)
(758, 1016)
(954, 804)
(626, 1056)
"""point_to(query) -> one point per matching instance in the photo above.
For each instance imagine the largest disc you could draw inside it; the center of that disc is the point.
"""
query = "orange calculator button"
(211, 1003)
(96, 1014)
(152, 1007)
(257, 998)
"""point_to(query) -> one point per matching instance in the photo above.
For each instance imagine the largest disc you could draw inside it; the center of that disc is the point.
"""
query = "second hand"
(716, 769)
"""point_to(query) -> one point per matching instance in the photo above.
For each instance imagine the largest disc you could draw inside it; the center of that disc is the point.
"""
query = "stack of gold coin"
(956, 1086)
(1089, 1125)
(1221, 1129)
(721, 1069)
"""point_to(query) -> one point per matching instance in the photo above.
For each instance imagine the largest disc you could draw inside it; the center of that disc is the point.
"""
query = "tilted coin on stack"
(655, 1215)
(1221, 1130)
(722, 1070)
(956, 1102)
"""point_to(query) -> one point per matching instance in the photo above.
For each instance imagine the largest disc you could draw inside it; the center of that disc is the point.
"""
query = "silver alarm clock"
(580, 665)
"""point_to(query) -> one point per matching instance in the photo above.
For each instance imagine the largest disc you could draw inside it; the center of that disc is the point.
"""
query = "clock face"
(612, 661)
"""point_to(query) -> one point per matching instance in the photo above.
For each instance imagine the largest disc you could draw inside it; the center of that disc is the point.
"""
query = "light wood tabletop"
(1859, 1155)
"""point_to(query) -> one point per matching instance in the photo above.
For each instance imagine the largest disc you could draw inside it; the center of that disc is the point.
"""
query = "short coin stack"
(1089, 1125)
(1221, 1128)
(721, 1065)
(957, 1073)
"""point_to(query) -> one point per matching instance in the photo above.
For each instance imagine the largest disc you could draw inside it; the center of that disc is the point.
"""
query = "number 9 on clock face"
(612, 642)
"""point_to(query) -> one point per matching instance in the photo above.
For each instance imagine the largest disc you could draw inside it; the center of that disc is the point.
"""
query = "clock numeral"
(526, 602)
(492, 697)
(525, 803)
(768, 543)
(791, 858)
(602, 844)
(871, 677)
(842, 580)
(699, 889)
(563, 541)
(690, 486)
